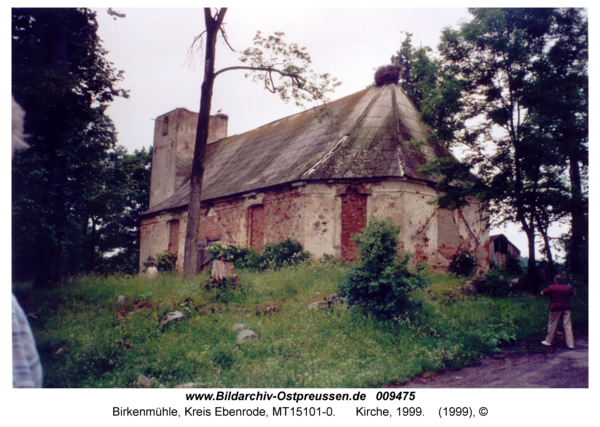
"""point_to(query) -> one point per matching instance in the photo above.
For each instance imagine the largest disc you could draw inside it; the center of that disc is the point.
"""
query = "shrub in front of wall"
(164, 261)
(241, 256)
(331, 260)
(381, 283)
(463, 264)
(284, 253)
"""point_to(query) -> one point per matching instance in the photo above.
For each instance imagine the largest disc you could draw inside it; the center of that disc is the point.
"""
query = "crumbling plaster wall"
(311, 213)
(173, 149)
(154, 234)
(431, 235)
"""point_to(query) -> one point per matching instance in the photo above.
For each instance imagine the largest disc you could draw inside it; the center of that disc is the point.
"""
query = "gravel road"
(527, 365)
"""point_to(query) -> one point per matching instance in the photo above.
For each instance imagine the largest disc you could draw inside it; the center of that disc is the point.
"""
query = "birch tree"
(282, 68)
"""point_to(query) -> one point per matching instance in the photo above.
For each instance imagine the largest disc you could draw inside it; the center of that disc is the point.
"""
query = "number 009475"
(395, 395)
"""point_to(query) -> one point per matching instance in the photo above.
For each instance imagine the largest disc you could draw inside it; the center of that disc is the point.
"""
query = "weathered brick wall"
(449, 241)
(256, 219)
(474, 226)
(210, 229)
(151, 230)
(405, 203)
(224, 220)
(324, 216)
(279, 214)
(170, 149)
(250, 221)
(353, 220)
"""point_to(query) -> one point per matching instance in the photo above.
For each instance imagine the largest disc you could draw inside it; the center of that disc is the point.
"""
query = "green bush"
(463, 264)
(242, 257)
(286, 252)
(495, 284)
(381, 283)
(164, 261)
(331, 260)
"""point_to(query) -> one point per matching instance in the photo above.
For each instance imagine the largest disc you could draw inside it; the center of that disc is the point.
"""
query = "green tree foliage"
(61, 78)
(420, 70)
(512, 95)
(381, 283)
(121, 195)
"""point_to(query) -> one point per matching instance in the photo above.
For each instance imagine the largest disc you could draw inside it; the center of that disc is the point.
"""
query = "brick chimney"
(217, 127)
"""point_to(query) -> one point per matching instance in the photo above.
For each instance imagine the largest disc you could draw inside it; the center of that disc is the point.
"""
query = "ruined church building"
(316, 182)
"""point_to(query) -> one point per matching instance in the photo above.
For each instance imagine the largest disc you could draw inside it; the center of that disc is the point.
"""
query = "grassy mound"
(86, 339)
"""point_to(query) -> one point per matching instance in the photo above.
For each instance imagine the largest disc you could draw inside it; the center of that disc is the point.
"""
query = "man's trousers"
(553, 323)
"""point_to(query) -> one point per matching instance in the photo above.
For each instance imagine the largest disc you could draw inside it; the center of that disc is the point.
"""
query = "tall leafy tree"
(114, 242)
(564, 107)
(507, 97)
(282, 68)
(419, 73)
(62, 79)
(431, 87)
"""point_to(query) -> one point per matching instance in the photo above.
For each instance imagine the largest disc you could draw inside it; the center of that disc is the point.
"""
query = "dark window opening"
(165, 129)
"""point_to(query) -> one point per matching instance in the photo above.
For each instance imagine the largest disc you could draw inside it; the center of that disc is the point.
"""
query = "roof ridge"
(399, 145)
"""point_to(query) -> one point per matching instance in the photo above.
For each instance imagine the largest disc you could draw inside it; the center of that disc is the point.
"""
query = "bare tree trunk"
(531, 266)
(578, 221)
(543, 222)
(190, 259)
(548, 251)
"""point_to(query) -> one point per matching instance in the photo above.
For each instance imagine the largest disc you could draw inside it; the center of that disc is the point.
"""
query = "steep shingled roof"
(365, 139)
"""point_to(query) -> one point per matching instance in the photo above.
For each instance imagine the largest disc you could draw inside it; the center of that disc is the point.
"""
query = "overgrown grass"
(86, 339)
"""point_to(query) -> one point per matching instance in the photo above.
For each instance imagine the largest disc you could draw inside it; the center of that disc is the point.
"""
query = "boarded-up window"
(256, 217)
(174, 237)
(354, 219)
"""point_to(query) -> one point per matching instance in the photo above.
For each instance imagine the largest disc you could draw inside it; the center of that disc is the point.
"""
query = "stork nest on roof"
(387, 74)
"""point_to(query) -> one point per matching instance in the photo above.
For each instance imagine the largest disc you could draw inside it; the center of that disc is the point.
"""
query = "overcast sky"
(152, 46)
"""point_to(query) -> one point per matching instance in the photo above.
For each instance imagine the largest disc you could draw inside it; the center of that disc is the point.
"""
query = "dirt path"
(528, 365)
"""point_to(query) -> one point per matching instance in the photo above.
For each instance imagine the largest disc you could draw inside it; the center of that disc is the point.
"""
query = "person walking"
(560, 307)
